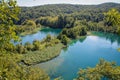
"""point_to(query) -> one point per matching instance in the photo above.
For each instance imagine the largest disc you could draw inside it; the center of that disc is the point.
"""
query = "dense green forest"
(67, 16)
(89, 12)
(74, 20)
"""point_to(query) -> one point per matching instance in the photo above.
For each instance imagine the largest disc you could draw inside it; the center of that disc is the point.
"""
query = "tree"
(36, 44)
(20, 49)
(48, 38)
(28, 46)
(103, 70)
(61, 21)
(112, 17)
(64, 39)
(10, 66)
(10, 70)
(29, 25)
(8, 13)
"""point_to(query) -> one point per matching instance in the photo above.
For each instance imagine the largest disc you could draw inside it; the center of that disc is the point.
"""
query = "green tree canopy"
(103, 70)
(112, 17)
(8, 13)
(29, 23)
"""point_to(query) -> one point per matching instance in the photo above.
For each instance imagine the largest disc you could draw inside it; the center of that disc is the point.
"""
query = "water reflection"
(81, 40)
(108, 36)
(50, 30)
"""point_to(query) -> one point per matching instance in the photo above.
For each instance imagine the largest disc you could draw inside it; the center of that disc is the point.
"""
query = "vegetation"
(69, 17)
(11, 70)
(103, 70)
(27, 27)
(10, 66)
(70, 21)
(7, 27)
(64, 39)
(56, 22)
(66, 16)
(33, 57)
(113, 18)
(37, 45)
(39, 51)
(92, 13)
(71, 33)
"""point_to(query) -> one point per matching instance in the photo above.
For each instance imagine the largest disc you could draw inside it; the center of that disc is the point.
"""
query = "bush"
(36, 44)
(28, 46)
(20, 49)
(64, 39)
(103, 70)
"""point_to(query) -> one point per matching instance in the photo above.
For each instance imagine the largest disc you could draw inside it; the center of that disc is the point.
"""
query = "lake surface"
(80, 53)
(40, 35)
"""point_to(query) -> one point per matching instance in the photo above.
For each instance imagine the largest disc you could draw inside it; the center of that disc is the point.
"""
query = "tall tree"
(113, 18)
(8, 13)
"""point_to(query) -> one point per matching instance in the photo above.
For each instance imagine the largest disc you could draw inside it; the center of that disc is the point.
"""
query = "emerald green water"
(79, 54)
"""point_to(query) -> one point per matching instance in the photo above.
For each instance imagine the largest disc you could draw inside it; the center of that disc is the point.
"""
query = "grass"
(34, 57)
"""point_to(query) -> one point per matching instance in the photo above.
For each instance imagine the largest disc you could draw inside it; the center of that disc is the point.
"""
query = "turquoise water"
(79, 54)
(40, 35)
(83, 53)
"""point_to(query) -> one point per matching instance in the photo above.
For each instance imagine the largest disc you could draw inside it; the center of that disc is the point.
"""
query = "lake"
(40, 35)
(82, 53)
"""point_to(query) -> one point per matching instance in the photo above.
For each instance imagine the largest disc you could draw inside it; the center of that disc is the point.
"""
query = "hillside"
(57, 9)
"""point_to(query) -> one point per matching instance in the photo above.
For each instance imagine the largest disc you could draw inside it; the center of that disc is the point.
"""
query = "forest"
(75, 21)
(67, 15)
(88, 12)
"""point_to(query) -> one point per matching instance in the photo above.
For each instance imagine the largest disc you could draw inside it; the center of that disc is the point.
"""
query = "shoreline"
(33, 58)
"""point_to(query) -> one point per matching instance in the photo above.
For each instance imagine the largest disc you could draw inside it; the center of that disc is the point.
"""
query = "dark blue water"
(83, 53)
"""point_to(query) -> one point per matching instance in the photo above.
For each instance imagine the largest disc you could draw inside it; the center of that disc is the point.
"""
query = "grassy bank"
(33, 57)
